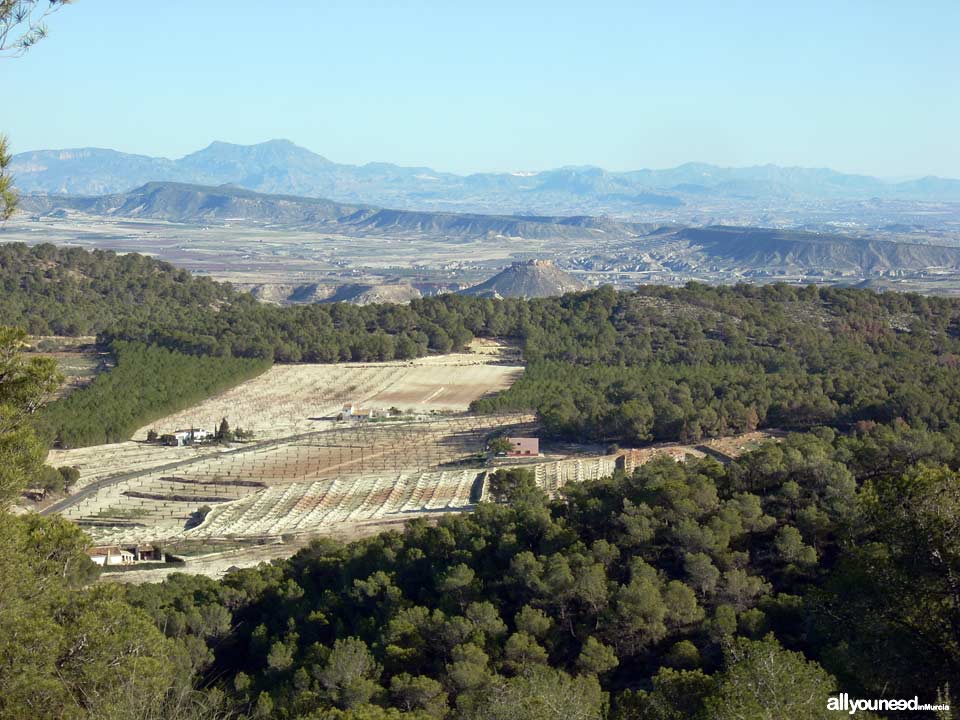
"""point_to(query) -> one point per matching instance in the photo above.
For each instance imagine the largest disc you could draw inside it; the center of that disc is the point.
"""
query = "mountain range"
(281, 167)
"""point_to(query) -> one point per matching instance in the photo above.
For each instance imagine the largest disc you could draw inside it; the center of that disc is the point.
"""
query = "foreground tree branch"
(22, 24)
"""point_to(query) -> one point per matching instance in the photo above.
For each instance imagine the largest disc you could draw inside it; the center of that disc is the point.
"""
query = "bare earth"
(291, 399)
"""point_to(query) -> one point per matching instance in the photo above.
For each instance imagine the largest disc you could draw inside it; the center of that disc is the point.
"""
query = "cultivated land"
(138, 491)
(252, 523)
(307, 473)
(346, 482)
(321, 482)
(290, 399)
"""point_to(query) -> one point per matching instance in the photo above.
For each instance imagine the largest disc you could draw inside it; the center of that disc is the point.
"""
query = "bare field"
(292, 399)
(77, 359)
(102, 461)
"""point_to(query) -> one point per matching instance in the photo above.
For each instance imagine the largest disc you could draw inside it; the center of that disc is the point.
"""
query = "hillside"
(280, 166)
(531, 279)
(198, 204)
(52, 290)
(696, 572)
(761, 248)
(356, 293)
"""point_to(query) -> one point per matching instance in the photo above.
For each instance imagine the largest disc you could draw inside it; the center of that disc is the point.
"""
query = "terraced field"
(309, 507)
(248, 500)
(361, 470)
(103, 461)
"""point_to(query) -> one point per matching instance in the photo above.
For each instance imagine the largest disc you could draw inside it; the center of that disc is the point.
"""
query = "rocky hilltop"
(533, 278)
(356, 293)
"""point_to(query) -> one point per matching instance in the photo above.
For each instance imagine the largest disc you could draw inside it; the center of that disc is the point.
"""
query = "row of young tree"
(147, 383)
(756, 589)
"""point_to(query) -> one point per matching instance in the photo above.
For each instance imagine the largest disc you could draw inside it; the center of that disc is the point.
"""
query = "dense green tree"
(24, 386)
(762, 681)
(895, 592)
(350, 675)
(541, 694)
(513, 485)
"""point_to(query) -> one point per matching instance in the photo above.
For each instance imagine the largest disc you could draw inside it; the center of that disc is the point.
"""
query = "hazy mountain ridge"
(279, 166)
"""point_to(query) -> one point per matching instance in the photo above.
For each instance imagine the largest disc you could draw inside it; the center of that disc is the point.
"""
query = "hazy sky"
(870, 86)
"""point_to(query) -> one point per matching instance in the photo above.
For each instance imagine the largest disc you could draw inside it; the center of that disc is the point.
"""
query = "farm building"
(523, 446)
(146, 553)
(110, 555)
(350, 410)
(179, 438)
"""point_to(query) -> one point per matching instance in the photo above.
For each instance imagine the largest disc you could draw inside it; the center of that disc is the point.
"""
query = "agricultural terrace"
(247, 500)
(352, 463)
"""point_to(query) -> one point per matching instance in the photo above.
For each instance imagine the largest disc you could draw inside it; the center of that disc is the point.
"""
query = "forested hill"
(51, 290)
(685, 591)
(659, 363)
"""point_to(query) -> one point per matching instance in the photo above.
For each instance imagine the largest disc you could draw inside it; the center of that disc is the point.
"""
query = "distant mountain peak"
(280, 166)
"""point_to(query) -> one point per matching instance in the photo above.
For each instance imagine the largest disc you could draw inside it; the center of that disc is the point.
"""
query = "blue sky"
(866, 87)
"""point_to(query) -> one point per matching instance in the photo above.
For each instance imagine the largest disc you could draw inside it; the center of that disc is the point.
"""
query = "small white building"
(110, 555)
(189, 436)
(349, 410)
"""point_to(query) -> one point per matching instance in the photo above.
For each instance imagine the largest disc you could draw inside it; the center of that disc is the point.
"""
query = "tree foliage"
(69, 649)
(685, 579)
(22, 24)
(146, 384)
(24, 386)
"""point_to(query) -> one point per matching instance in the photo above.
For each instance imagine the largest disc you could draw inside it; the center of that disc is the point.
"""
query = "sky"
(859, 86)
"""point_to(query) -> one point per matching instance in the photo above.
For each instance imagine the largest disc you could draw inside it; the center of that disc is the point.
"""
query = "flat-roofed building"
(523, 447)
